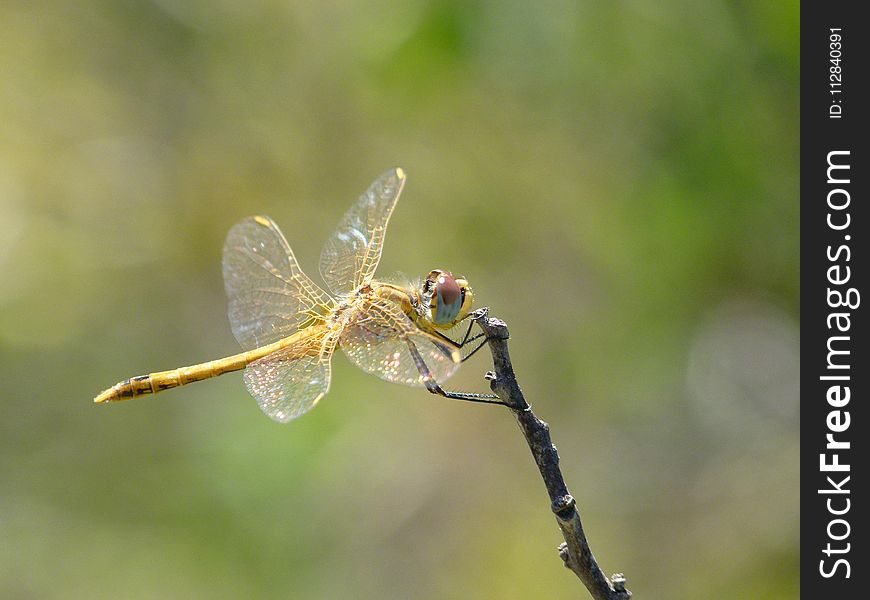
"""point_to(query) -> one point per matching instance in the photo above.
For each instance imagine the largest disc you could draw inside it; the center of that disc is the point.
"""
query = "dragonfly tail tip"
(105, 396)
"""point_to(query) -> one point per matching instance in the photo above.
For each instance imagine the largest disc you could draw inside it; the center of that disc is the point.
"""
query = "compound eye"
(447, 299)
(449, 291)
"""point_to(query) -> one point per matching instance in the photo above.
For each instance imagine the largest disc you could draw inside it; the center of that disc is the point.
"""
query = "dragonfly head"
(449, 298)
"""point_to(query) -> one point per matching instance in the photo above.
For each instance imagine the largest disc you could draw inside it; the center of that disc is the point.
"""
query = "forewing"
(267, 290)
(382, 341)
(289, 382)
(351, 255)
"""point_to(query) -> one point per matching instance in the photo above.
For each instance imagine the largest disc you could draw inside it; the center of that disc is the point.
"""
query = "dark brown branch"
(574, 551)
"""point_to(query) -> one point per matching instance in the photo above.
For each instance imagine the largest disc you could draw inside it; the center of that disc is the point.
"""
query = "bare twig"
(574, 551)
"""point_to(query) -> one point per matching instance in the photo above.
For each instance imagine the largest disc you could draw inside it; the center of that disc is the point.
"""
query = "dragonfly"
(290, 328)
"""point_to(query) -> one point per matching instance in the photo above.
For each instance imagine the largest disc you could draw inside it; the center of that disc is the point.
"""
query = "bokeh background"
(619, 181)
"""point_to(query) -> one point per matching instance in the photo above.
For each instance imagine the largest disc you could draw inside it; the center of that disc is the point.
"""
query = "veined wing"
(268, 292)
(290, 382)
(383, 341)
(351, 255)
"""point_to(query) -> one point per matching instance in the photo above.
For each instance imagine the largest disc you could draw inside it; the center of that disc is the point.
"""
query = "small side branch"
(574, 551)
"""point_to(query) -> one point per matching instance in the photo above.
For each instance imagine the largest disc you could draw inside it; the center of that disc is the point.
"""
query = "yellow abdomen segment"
(164, 380)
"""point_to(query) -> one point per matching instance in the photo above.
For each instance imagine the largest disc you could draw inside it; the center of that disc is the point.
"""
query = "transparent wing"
(382, 341)
(290, 382)
(351, 255)
(268, 292)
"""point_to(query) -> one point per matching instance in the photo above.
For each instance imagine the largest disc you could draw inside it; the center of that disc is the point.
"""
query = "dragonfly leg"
(435, 388)
(479, 346)
(466, 339)
(467, 333)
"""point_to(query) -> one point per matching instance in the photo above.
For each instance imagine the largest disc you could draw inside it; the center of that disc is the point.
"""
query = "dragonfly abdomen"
(164, 380)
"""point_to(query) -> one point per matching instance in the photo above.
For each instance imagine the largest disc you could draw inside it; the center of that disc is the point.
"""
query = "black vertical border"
(820, 135)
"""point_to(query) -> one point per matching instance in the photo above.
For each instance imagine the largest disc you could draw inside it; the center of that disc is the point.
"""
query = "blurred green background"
(618, 181)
